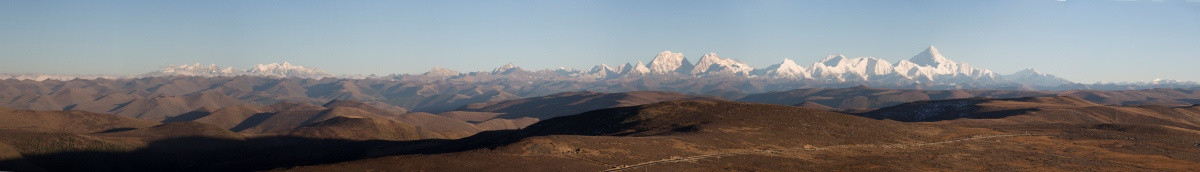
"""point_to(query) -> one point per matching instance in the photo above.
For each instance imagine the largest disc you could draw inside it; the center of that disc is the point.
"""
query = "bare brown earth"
(815, 106)
(727, 136)
(70, 141)
(161, 98)
(359, 128)
(1017, 134)
(66, 121)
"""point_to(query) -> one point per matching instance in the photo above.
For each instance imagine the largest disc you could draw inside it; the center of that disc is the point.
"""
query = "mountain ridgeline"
(927, 69)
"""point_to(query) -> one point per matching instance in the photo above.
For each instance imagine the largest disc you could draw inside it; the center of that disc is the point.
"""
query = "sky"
(1083, 41)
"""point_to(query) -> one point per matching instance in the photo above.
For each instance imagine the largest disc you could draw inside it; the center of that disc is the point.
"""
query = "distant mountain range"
(929, 68)
(274, 69)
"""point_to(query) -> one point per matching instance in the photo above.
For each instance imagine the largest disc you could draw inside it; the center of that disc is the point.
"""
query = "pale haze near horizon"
(1082, 41)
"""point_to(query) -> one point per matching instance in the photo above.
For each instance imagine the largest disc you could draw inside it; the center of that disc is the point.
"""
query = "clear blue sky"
(1085, 41)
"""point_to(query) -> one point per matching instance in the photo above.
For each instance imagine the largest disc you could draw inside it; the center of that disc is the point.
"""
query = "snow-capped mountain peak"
(931, 57)
(787, 69)
(669, 62)
(711, 63)
(639, 68)
(507, 69)
(600, 68)
(840, 68)
(286, 70)
(440, 72)
(931, 66)
(504, 68)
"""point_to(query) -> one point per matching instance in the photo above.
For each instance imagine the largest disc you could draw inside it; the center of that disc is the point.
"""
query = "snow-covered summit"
(931, 57)
(668, 62)
(286, 70)
(632, 69)
(439, 71)
(507, 69)
(785, 69)
(711, 64)
(931, 66)
(605, 71)
(840, 68)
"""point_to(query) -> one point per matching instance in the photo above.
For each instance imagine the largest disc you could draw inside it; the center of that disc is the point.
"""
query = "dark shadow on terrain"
(69, 107)
(1192, 101)
(265, 153)
(558, 106)
(117, 130)
(251, 121)
(190, 116)
(942, 110)
(570, 103)
(217, 154)
(122, 105)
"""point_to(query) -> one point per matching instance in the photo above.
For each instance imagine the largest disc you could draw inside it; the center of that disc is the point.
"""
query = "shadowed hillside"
(707, 135)
(672, 135)
(571, 103)
(1034, 110)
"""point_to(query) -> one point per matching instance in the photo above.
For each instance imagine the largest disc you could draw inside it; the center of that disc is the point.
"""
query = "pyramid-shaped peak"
(930, 57)
(709, 57)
